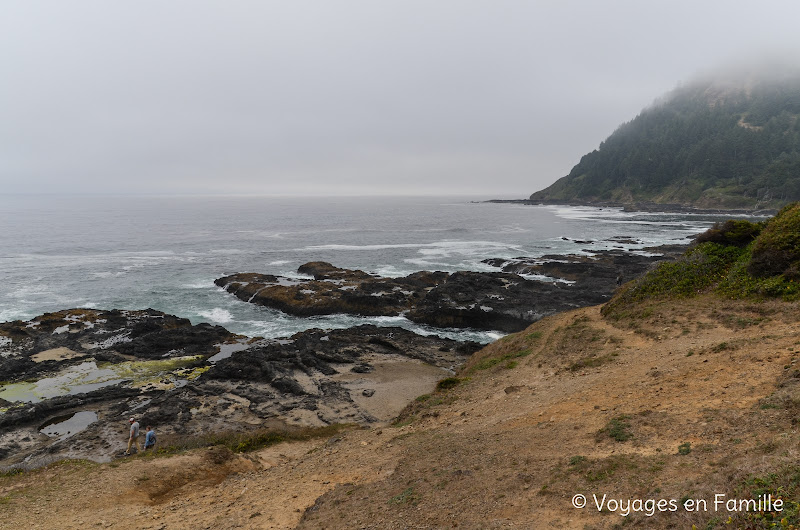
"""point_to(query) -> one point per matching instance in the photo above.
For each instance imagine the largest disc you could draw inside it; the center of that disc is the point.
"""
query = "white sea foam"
(200, 284)
(361, 247)
(279, 262)
(426, 264)
(544, 278)
(9, 315)
(390, 271)
(222, 316)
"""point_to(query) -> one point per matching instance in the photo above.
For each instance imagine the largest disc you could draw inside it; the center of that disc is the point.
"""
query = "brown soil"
(529, 426)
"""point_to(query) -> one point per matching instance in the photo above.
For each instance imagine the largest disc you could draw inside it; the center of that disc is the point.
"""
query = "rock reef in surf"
(526, 290)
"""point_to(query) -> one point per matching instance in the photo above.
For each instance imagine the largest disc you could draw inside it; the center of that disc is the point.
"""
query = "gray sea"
(164, 252)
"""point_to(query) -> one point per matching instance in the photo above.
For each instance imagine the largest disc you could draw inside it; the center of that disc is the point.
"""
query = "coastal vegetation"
(713, 143)
(735, 259)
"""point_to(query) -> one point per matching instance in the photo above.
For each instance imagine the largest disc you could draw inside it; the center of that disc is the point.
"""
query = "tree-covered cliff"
(712, 143)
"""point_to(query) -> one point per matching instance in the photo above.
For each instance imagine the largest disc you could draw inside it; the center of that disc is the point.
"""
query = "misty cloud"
(498, 98)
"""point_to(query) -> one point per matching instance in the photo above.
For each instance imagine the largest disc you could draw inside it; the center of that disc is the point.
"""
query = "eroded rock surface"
(197, 379)
(507, 301)
(333, 290)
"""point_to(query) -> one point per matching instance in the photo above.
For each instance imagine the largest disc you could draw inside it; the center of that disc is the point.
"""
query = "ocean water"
(60, 252)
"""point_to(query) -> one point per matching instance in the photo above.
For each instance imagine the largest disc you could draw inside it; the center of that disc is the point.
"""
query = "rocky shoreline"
(194, 379)
(641, 206)
(100, 367)
(523, 291)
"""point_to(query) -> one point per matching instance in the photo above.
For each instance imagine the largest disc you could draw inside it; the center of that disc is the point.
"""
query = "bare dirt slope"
(684, 401)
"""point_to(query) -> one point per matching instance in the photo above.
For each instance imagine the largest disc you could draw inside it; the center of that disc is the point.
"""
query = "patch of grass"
(722, 346)
(402, 421)
(604, 470)
(489, 362)
(407, 496)
(618, 428)
(591, 361)
(245, 441)
(685, 448)
(782, 484)
(534, 335)
(576, 460)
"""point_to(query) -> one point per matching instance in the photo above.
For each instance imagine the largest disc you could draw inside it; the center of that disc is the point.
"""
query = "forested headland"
(711, 143)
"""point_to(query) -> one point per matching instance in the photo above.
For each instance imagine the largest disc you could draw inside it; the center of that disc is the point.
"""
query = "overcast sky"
(498, 98)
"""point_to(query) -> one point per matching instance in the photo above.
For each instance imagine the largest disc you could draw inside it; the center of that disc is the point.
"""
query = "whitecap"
(217, 314)
(390, 271)
(9, 315)
(426, 263)
(109, 274)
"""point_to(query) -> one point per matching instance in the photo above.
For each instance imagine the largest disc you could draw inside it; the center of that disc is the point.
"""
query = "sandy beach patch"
(56, 354)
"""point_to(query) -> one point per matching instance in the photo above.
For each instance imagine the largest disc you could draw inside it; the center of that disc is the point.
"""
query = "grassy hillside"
(734, 260)
(711, 143)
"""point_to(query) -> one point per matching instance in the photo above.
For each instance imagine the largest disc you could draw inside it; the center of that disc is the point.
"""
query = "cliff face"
(732, 143)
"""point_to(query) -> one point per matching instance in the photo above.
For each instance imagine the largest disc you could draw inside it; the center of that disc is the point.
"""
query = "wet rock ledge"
(523, 291)
(194, 379)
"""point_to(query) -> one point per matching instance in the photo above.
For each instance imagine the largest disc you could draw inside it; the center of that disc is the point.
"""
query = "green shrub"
(576, 460)
(618, 428)
(728, 261)
(448, 383)
(777, 249)
(733, 232)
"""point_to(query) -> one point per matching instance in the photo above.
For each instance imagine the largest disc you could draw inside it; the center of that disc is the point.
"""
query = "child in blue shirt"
(149, 438)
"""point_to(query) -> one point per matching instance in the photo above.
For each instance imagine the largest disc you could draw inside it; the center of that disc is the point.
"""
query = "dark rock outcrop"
(333, 290)
(50, 341)
(314, 377)
(507, 301)
(315, 350)
(496, 300)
